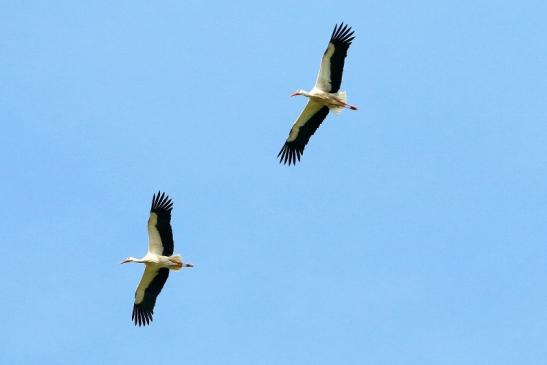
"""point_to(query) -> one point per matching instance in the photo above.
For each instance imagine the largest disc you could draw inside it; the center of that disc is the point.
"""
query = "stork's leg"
(343, 104)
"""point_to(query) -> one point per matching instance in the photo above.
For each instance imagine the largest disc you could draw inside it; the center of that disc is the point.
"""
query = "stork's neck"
(134, 259)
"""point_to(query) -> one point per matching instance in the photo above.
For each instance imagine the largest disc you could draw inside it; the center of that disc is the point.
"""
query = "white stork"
(158, 260)
(324, 97)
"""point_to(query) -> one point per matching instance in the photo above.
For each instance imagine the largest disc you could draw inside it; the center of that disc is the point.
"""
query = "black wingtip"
(342, 33)
(141, 317)
(161, 202)
(289, 155)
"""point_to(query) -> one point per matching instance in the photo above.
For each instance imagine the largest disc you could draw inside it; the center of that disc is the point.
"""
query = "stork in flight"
(324, 97)
(158, 260)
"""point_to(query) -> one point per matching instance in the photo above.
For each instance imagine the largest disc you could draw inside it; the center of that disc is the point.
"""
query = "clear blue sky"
(412, 232)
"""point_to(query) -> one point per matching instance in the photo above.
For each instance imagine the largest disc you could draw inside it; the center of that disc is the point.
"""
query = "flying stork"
(158, 260)
(324, 97)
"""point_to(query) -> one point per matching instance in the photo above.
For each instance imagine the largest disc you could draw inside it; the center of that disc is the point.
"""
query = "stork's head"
(298, 92)
(129, 259)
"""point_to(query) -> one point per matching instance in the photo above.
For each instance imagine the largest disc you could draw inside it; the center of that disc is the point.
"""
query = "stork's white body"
(153, 260)
(335, 101)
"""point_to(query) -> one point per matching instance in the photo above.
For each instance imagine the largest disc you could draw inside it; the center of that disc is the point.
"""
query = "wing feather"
(329, 77)
(149, 288)
(160, 233)
(305, 126)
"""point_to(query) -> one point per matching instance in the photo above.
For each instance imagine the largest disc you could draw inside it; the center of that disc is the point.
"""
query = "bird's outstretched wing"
(149, 288)
(305, 126)
(332, 63)
(160, 234)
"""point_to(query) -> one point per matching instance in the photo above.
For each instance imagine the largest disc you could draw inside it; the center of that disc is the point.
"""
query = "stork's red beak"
(295, 94)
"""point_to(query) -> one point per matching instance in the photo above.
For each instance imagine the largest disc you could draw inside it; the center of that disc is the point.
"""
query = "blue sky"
(412, 232)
